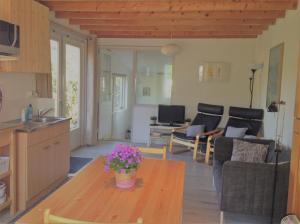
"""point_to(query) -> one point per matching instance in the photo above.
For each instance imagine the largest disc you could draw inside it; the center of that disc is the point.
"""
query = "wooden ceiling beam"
(177, 37)
(177, 34)
(177, 15)
(168, 6)
(169, 22)
(256, 28)
(172, 18)
(174, 33)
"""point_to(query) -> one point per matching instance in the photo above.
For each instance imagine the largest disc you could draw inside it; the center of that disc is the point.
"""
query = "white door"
(119, 98)
(72, 106)
(106, 104)
(67, 65)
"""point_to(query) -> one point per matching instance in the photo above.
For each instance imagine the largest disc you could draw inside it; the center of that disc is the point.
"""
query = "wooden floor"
(200, 199)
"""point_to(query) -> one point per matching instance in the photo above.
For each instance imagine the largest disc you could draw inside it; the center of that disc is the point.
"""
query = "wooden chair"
(209, 116)
(155, 151)
(52, 219)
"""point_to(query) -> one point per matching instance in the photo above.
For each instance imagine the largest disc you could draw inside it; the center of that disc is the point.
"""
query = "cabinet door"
(40, 37)
(61, 154)
(5, 10)
(294, 182)
(33, 19)
(297, 102)
(6, 14)
(21, 15)
(22, 12)
(38, 168)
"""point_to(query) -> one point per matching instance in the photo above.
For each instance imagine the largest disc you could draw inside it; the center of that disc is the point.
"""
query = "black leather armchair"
(209, 116)
(239, 117)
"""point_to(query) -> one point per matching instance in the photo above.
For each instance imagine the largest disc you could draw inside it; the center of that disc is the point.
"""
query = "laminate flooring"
(200, 198)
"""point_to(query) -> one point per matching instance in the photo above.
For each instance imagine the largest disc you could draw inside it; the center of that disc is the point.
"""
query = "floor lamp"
(253, 68)
(275, 107)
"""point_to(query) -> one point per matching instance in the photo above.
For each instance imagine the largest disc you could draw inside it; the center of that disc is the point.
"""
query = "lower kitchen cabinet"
(42, 165)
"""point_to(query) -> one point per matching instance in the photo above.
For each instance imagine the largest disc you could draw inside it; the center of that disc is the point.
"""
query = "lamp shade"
(170, 49)
(256, 66)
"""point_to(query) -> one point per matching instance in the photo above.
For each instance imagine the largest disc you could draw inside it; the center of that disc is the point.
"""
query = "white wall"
(16, 90)
(286, 30)
(187, 90)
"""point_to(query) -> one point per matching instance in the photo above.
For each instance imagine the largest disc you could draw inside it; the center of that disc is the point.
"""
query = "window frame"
(123, 97)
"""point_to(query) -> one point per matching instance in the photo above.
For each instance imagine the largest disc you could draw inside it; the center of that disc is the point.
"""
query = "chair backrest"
(250, 118)
(53, 219)
(155, 151)
(208, 115)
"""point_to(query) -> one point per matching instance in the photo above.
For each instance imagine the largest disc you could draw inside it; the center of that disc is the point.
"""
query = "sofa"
(248, 187)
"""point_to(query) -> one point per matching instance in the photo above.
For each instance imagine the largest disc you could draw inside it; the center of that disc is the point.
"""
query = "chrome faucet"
(42, 113)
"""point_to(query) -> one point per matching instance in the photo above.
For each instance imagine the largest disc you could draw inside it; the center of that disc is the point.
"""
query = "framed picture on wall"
(214, 71)
(275, 74)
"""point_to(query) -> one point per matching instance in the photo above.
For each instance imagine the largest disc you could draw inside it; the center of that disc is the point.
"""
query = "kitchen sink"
(46, 119)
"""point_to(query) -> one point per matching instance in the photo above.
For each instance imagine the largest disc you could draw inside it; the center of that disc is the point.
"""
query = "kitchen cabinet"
(5, 10)
(294, 186)
(33, 19)
(294, 181)
(43, 161)
(7, 148)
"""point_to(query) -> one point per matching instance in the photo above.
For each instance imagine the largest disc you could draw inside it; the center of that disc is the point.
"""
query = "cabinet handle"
(56, 143)
(47, 147)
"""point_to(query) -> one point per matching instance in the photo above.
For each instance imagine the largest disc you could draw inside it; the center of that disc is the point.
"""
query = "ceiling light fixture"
(170, 49)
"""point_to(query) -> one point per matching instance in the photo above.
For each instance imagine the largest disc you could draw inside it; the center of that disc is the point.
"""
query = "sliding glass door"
(73, 63)
(67, 62)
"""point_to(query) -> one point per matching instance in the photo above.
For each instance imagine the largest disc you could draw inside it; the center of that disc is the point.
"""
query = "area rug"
(77, 163)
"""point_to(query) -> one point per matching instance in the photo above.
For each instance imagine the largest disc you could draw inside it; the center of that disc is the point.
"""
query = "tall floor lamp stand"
(277, 151)
(252, 86)
(275, 107)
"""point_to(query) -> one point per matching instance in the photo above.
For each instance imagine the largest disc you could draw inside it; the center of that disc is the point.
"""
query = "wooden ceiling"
(172, 18)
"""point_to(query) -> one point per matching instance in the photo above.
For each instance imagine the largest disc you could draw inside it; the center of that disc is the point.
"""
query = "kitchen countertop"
(31, 126)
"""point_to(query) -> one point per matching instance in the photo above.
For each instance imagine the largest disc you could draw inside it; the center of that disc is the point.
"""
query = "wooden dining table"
(92, 196)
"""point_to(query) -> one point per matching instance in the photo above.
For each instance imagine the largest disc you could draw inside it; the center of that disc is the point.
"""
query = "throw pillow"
(249, 152)
(233, 132)
(193, 130)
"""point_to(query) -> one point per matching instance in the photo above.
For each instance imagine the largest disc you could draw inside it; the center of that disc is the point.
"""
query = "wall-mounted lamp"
(253, 68)
(273, 107)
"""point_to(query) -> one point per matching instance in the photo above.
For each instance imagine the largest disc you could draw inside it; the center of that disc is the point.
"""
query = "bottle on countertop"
(30, 112)
(23, 115)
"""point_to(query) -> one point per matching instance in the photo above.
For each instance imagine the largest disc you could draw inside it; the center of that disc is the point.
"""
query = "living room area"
(153, 112)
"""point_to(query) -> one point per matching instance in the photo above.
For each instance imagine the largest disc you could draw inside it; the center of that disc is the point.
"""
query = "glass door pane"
(72, 84)
(106, 105)
(119, 92)
(54, 44)
(154, 78)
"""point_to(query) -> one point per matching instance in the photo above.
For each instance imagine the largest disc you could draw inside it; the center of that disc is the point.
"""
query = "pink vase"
(125, 180)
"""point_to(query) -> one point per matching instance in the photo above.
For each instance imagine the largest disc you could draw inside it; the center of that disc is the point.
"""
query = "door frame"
(58, 38)
(65, 37)
(99, 74)
(99, 70)
(77, 139)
